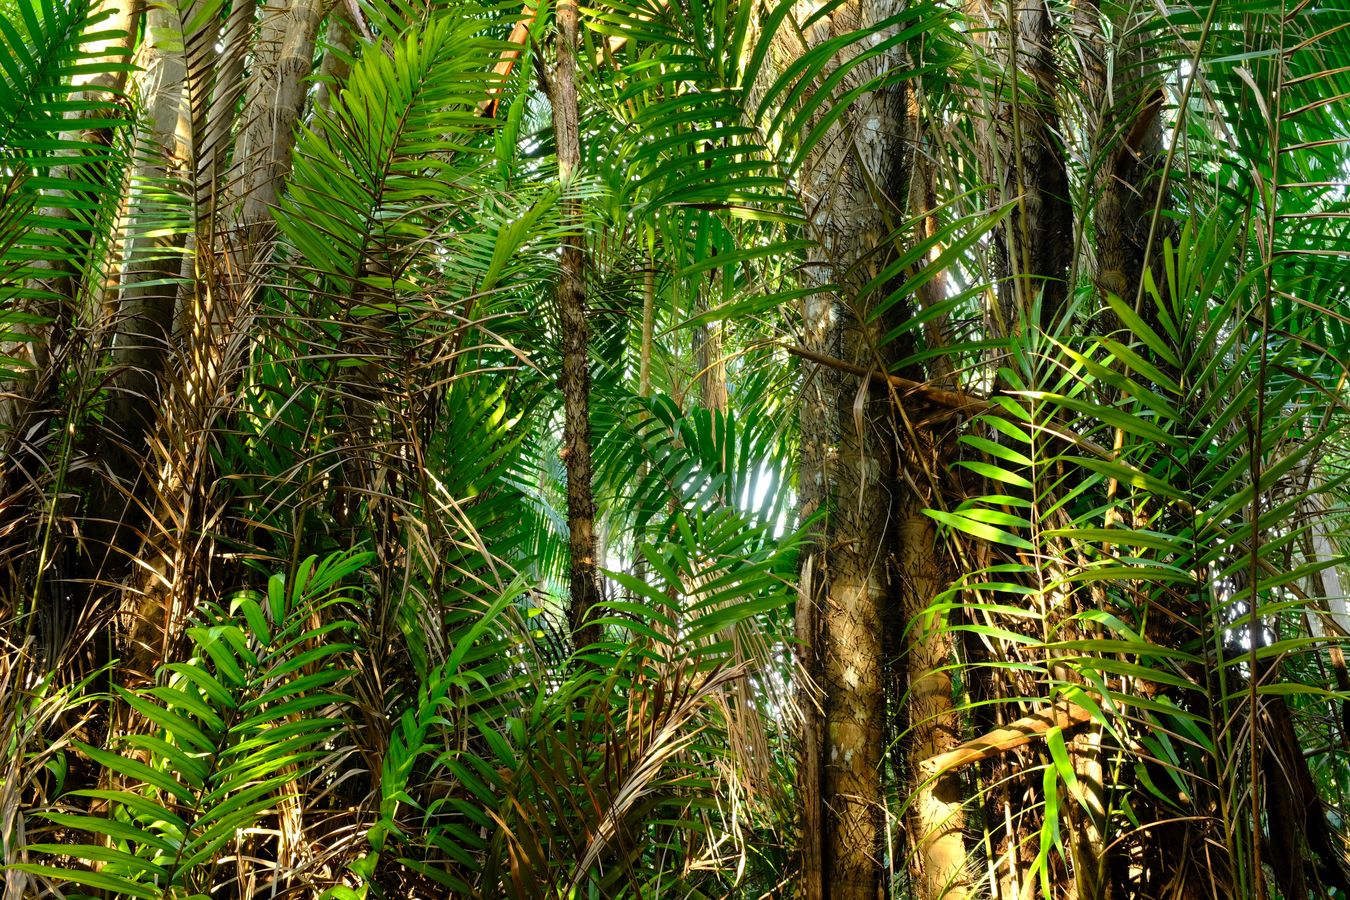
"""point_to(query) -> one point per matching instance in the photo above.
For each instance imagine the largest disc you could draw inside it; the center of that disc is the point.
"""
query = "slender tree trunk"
(937, 815)
(1126, 146)
(846, 470)
(197, 325)
(648, 328)
(584, 576)
(141, 348)
(1025, 162)
(936, 819)
(818, 435)
(1022, 156)
(145, 310)
(708, 354)
(712, 367)
(1123, 134)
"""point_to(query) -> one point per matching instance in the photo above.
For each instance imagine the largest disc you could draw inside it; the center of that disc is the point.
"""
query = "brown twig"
(1065, 716)
(954, 400)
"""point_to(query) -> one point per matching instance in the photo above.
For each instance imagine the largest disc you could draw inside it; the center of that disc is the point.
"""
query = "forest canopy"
(832, 449)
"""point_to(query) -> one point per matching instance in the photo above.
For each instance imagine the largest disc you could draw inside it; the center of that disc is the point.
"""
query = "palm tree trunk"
(708, 354)
(146, 307)
(340, 42)
(937, 815)
(937, 818)
(143, 332)
(275, 98)
(818, 434)
(207, 88)
(1128, 157)
(1025, 163)
(712, 367)
(873, 538)
(584, 577)
(1022, 157)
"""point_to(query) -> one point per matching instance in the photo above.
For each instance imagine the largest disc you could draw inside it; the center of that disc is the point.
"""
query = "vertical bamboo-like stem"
(648, 326)
(584, 576)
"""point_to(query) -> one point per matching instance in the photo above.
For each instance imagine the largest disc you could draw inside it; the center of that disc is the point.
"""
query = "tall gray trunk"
(274, 99)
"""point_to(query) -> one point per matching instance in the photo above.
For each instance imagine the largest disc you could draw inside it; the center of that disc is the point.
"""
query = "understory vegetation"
(836, 449)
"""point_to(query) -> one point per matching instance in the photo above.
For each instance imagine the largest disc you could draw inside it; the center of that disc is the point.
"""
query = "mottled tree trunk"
(712, 367)
(584, 577)
(198, 326)
(936, 818)
(143, 330)
(340, 43)
(145, 309)
(273, 102)
(1024, 160)
(1021, 154)
(819, 435)
(873, 553)
(1125, 145)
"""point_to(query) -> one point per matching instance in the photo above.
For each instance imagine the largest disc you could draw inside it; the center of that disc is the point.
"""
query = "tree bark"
(1025, 163)
(712, 367)
(274, 100)
(869, 557)
(818, 435)
(143, 330)
(584, 578)
(1127, 156)
(1022, 156)
(937, 816)
(340, 43)
(146, 307)
(936, 820)
(1122, 127)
